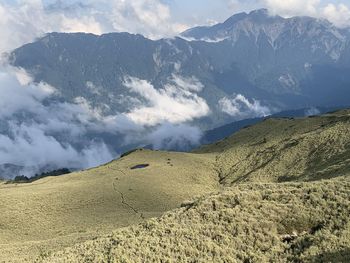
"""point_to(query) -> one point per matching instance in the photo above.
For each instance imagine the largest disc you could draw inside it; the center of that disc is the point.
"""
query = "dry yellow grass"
(280, 150)
(300, 222)
(55, 212)
(251, 173)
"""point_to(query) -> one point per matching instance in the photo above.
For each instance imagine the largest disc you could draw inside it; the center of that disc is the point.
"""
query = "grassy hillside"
(300, 222)
(55, 212)
(281, 150)
(278, 191)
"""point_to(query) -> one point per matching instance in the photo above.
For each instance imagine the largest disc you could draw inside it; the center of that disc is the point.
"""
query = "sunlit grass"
(278, 191)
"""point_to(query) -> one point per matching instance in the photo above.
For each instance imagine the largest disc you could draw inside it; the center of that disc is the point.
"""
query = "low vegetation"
(278, 191)
(299, 222)
(285, 150)
(55, 212)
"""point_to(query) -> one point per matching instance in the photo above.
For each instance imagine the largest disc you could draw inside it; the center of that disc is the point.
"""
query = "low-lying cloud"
(240, 107)
(40, 132)
(176, 102)
(28, 145)
(170, 136)
(312, 112)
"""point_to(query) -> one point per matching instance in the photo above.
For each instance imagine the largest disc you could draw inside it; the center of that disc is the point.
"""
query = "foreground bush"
(300, 222)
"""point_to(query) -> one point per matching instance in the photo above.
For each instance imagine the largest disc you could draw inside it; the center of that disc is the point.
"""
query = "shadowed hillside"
(278, 191)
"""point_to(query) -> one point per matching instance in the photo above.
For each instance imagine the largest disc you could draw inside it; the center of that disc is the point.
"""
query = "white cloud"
(338, 14)
(23, 21)
(14, 97)
(150, 17)
(233, 4)
(93, 88)
(312, 112)
(30, 146)
(170, 136)
(46, 135)
(187, 83)
(240, 107)
(293, 7)
(85, 24)
(174, 103)
(40, 132)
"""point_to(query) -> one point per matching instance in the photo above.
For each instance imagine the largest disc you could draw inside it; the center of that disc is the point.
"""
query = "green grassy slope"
(259, 215)
(275, 192)
(280, 150)
(55, 212)
(300, 222)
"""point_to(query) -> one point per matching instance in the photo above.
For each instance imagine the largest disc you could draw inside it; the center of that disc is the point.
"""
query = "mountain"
(95, 67)
(275, 190)
(282, 56)
(120, 91)
(249, 66)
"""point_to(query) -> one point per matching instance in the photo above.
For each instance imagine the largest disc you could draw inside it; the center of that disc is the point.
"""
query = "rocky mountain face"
(300, 56)
(273, 62)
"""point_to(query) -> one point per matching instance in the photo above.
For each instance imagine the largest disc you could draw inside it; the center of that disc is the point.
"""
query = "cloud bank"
(176, 102)
(24, 20)
(40, 132)
(240, 107)
(337, 13)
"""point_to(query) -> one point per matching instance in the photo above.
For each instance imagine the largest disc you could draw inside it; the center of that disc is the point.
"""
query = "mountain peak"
(257, 14)
(260, 12)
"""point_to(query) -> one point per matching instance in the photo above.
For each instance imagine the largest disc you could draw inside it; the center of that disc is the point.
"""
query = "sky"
(21, 21)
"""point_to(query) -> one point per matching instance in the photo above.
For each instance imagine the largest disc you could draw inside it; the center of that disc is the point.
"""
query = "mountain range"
(133, 91)
(252, 106)
(274, 63)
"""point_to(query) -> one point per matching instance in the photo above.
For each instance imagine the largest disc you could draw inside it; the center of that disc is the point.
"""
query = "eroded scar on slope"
(122, 197)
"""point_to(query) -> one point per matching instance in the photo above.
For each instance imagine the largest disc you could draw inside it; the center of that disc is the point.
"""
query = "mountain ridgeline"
(282, 63)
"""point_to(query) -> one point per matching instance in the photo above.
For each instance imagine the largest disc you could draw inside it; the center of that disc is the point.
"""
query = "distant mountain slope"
(274, 63)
